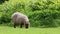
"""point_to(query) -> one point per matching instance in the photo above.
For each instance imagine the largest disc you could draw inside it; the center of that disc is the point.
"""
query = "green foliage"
(5, 18)
(44, 18)
(45, 4)
(1, 1)
(41, 13)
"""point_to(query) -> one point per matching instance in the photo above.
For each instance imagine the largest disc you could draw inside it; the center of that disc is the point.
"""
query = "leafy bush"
(1, 1)
(44, 18)
(41, 13)
(45, 4)
(5, 18)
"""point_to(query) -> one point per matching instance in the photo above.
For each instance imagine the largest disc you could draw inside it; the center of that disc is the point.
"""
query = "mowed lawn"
(31, 30)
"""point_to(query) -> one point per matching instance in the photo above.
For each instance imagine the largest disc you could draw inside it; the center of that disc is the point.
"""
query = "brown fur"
(20, 19)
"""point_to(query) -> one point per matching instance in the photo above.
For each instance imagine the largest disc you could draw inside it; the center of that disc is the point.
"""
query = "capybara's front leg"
(14, 25)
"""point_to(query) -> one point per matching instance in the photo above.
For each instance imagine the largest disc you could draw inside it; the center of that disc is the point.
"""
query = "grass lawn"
(31, 30)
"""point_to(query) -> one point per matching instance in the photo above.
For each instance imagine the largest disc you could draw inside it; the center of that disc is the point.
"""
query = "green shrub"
(45, 4)
(1, 1)
(5, 18)
(41, 13)
(44, 18)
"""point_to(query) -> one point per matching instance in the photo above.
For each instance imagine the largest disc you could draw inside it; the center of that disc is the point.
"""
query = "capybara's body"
(20, 19)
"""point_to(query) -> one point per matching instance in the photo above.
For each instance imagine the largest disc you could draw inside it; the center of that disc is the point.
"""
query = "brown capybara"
(20, 19)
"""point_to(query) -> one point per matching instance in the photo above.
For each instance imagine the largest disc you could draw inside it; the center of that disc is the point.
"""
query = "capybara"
(20, 19)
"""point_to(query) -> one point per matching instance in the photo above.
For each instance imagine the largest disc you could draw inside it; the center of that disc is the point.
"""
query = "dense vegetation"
(41, 13)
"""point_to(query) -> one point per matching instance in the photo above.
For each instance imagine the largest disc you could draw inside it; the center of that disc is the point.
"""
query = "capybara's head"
(27, 24)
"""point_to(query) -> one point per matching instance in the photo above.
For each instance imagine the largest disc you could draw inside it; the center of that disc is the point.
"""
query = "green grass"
(31, 30)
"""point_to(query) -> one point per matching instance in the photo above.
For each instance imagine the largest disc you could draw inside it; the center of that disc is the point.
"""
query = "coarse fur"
(20, 19)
